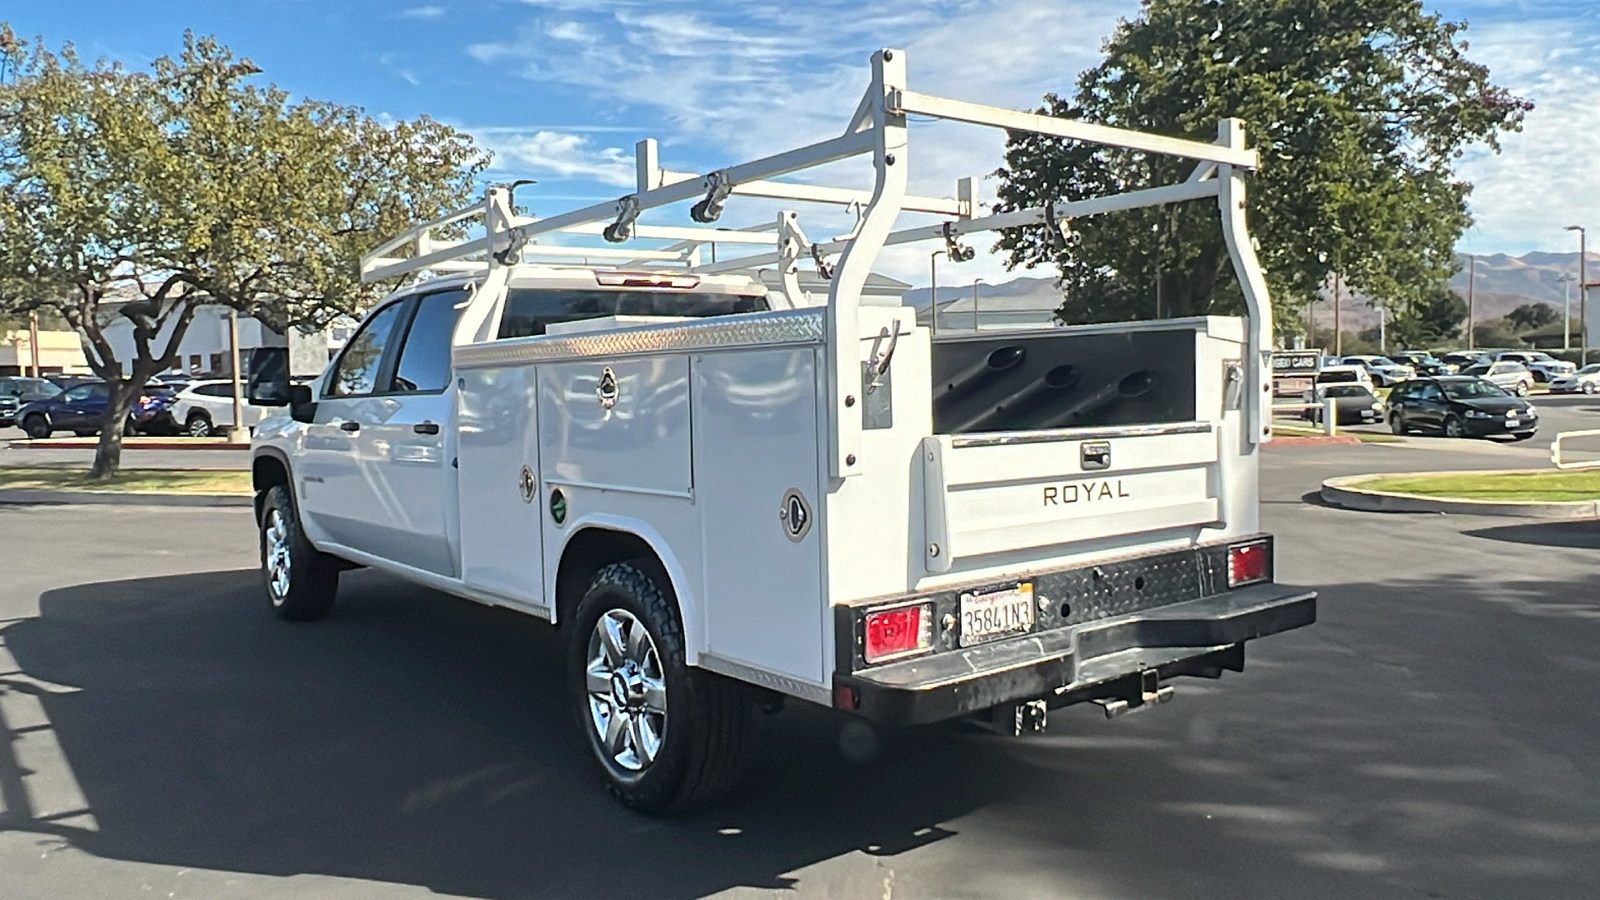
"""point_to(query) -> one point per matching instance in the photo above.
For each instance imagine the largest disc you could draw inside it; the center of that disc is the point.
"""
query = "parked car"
(206, 407)
(16, 391)
(1466, 359)
(1423, 362)
(1513, 376)
(1540, 364)
(1460, 406)
(1385, 372)
(152, 411)
(1340, 374)
(76, 409)
(1586, 379)
(1355, 404)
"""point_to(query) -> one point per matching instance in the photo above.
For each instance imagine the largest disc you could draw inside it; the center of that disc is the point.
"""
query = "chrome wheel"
(277, 560)
(199, 426)
(627, 690)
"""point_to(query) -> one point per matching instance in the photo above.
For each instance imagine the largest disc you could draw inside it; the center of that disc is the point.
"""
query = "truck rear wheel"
(301, 581)
(667, 738)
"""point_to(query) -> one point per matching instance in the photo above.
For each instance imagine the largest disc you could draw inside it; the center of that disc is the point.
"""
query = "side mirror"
(268, 384)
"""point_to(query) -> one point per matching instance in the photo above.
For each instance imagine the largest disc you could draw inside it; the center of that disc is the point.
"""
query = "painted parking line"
(36, 782)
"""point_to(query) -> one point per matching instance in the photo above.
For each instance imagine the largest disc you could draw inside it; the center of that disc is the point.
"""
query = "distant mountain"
(1503, 283)
(1022, 292)
(1532, 277)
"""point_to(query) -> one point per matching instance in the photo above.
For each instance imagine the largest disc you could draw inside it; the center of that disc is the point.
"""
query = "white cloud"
(422, 12)
(734, 81)
(1547, 176)
(737, 87)
(555, 155)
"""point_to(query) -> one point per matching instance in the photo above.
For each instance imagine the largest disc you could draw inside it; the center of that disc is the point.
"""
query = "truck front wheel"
(301, 581)
(667, 738)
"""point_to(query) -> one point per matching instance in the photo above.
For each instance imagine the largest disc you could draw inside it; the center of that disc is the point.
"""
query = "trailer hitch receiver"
(1151, 692)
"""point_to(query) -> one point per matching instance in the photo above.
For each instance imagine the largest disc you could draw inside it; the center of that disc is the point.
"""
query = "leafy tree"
(1432, 320)
(1495, 333)
(1359, 109)
(136, 197)
(1529, 316)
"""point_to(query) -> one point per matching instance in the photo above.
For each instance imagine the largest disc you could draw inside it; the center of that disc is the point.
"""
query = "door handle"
(425, 428)
(350, 426)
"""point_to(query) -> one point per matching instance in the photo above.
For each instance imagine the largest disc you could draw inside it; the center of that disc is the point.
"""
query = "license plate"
(996, 614)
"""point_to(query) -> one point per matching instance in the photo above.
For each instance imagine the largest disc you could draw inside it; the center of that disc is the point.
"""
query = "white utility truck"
(731, 482)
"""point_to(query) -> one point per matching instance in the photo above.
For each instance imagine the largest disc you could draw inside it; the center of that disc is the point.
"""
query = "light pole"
(975, 283)
(933, 291)
(1583, 294)
(1566, 311)
(1472, 283)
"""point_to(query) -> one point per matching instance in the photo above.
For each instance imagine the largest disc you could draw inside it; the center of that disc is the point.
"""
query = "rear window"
(1348, 390)
(1328, 377)
(529, 311)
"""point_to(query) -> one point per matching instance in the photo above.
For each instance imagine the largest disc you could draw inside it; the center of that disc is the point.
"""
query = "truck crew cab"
(731, 483)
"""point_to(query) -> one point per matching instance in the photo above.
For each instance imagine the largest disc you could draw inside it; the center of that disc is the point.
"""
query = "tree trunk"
(108, 453)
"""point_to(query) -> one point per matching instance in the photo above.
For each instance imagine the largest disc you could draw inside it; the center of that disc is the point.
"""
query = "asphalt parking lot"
(1434, 736)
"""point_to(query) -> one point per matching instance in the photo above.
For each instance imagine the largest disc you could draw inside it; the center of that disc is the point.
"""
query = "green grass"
(157, 481)
(1554, 485)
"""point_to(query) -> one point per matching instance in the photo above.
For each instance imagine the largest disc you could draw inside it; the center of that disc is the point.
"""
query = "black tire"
(310, 578)
(705, 727)
(1522, 435)
(1452, 427)
(1397, 425)
(37, 427)
(198, 425)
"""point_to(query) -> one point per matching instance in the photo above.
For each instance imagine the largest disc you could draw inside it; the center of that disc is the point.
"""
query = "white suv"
(206, 407)
(1542, 366)
(1513, 376)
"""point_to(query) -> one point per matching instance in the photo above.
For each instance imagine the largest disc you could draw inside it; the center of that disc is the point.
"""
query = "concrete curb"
(1302, 440)
(20, 496)
(1347, 493)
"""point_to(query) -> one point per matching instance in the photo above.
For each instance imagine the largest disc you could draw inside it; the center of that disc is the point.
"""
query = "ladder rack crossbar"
(1159, 196)
(910, 102)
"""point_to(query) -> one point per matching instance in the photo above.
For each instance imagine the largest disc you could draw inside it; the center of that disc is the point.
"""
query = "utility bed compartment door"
(1000, 492)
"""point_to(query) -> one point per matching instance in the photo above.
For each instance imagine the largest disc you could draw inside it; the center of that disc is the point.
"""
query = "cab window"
(357, 371)
(424, 365)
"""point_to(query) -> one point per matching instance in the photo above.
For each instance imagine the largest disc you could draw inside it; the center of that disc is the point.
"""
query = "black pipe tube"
(1001, 359)
(1053, 383)
(1132, 386)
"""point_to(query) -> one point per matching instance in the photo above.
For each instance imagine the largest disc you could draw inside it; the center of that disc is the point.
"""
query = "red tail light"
(1249, 563)
(898, 631)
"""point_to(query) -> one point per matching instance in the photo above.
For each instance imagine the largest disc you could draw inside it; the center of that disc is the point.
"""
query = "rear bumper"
(1095, 660)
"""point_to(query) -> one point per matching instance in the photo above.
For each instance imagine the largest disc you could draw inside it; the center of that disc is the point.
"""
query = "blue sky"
(561, 89)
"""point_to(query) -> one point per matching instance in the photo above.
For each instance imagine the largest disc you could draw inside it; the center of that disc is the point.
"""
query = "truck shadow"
(416, 739)
(412, 739)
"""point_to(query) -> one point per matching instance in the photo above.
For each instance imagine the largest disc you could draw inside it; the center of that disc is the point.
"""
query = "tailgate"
(990, 493)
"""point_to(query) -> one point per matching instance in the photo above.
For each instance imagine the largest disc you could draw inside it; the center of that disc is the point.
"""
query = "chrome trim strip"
(687, 494)
(1006, 438)
(783, 684)
(763, 329)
